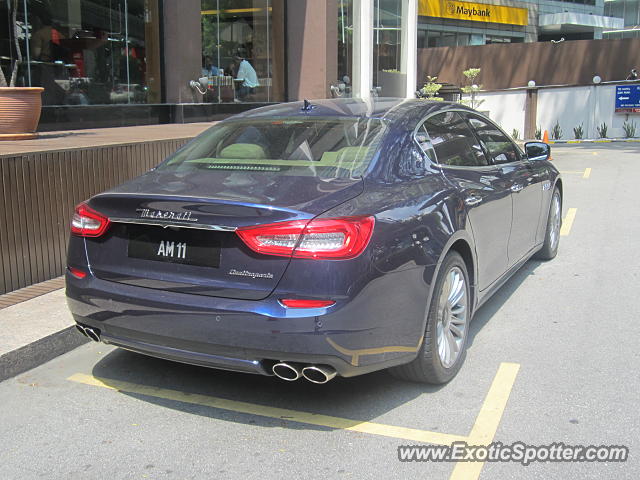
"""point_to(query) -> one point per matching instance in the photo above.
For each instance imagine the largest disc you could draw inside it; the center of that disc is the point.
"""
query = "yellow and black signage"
(476, 12)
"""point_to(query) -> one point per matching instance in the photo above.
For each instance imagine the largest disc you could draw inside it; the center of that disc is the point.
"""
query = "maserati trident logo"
(166, 215)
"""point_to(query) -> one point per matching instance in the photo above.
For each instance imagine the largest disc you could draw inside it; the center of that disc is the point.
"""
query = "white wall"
(506, 109)
(570, 106)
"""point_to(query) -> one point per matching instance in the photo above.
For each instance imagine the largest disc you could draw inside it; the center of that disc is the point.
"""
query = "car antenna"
(308, 106)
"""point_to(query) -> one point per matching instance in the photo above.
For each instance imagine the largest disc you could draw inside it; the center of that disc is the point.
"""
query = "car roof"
(400, 112)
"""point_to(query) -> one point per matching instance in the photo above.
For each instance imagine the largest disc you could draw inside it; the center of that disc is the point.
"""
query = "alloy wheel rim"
(555, 222)
(451, 326)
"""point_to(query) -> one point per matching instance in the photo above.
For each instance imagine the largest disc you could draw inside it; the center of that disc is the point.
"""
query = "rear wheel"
(444, 345)
(552, 235)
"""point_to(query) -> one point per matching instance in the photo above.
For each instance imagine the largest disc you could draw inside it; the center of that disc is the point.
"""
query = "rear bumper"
(354, 337)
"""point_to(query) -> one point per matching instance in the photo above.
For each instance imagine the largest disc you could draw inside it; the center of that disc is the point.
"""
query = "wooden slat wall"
(39, 193)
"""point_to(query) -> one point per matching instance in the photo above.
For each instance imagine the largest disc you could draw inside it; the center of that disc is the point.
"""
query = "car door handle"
(516, 187)
(472, 200)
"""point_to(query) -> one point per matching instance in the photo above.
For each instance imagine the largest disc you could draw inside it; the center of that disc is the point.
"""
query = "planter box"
(20, 109)
(393, 84)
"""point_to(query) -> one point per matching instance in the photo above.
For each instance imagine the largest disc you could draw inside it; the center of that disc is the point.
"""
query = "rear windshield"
(325, 148)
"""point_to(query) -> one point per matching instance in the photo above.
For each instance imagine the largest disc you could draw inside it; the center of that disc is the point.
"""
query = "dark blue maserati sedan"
(336, 237)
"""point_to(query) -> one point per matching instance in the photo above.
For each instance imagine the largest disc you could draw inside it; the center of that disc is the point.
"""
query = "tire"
(431, 365)
(552, 234)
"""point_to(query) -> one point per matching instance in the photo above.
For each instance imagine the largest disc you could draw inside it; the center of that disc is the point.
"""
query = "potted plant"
(19, 106)
(430, 89)
(472, 88)
(393, 83)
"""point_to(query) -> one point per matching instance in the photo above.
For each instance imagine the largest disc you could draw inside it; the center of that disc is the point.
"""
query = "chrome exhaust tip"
(287, 371)
(81, 330)
(92, 334)
(319, 373)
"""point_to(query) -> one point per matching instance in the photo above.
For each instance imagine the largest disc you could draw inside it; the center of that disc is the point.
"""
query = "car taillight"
(322, 238)
(305, 303)
(76, 272)
(86, 222)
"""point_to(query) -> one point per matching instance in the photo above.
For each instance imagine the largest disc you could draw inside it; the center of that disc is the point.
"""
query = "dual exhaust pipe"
(286, 371)
(293, 371)
(92, 333)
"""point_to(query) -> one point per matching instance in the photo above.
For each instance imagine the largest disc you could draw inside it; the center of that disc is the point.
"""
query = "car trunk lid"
(169, 232)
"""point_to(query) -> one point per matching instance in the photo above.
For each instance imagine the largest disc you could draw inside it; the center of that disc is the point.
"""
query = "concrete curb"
(41, 351)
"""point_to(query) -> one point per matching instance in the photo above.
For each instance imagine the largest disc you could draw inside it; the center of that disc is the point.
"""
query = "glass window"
(320, 147)
(454, 142)
(389, 77)
(87, 52)
(243, 50)
(496, 39)
(424, 142)
(343, 85)
(629, 10)
(500, 147)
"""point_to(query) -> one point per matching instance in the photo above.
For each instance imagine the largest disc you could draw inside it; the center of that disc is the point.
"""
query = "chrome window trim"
(494, 166)
(196, 226)
(523, 155)
(439, 165)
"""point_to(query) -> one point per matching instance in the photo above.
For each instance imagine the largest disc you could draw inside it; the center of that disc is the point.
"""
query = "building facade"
(629, 12)
(450, 23)
(124, 62)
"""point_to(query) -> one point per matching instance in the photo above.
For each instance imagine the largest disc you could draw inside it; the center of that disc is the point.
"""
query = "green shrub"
(578, 132)
(602, 130)
(629, 129)
(430, 89)
(556, 131)
(471, 88)
(515, 134)
(538, 133)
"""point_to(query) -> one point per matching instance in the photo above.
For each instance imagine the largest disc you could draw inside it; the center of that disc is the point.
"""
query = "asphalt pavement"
(552, 357)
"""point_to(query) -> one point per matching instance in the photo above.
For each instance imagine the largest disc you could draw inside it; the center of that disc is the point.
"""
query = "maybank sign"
(476, 12)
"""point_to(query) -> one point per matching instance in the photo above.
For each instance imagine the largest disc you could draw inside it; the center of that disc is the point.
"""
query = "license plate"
(184, 246)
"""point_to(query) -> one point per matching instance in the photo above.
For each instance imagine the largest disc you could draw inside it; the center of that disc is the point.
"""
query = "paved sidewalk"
(35, 324)
(27, 293)
(35, 331)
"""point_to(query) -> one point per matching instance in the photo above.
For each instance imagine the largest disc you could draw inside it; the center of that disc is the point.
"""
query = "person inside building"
(209, 69)
(48, 57)
(246, 78)
(633, 75)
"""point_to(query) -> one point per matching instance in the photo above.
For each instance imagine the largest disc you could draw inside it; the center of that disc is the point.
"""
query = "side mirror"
(537, 151)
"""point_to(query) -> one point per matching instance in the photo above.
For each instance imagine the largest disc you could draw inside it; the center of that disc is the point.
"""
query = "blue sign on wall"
(628, 99)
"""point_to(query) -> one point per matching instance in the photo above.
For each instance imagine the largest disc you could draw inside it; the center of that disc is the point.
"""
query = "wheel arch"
(464, 250)
(461, 243)
(558, 185)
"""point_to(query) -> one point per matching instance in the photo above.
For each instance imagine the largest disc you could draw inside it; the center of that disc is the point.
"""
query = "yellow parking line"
(482, 432)
(586, 173)
(487, 421)
(567, 222)
(494, 404)
(403, 433)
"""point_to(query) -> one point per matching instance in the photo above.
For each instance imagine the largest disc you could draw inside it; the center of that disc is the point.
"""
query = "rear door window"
(499, 146)
(453, 141)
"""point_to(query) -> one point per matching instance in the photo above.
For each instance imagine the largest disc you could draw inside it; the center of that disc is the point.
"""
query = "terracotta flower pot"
(19, 112)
